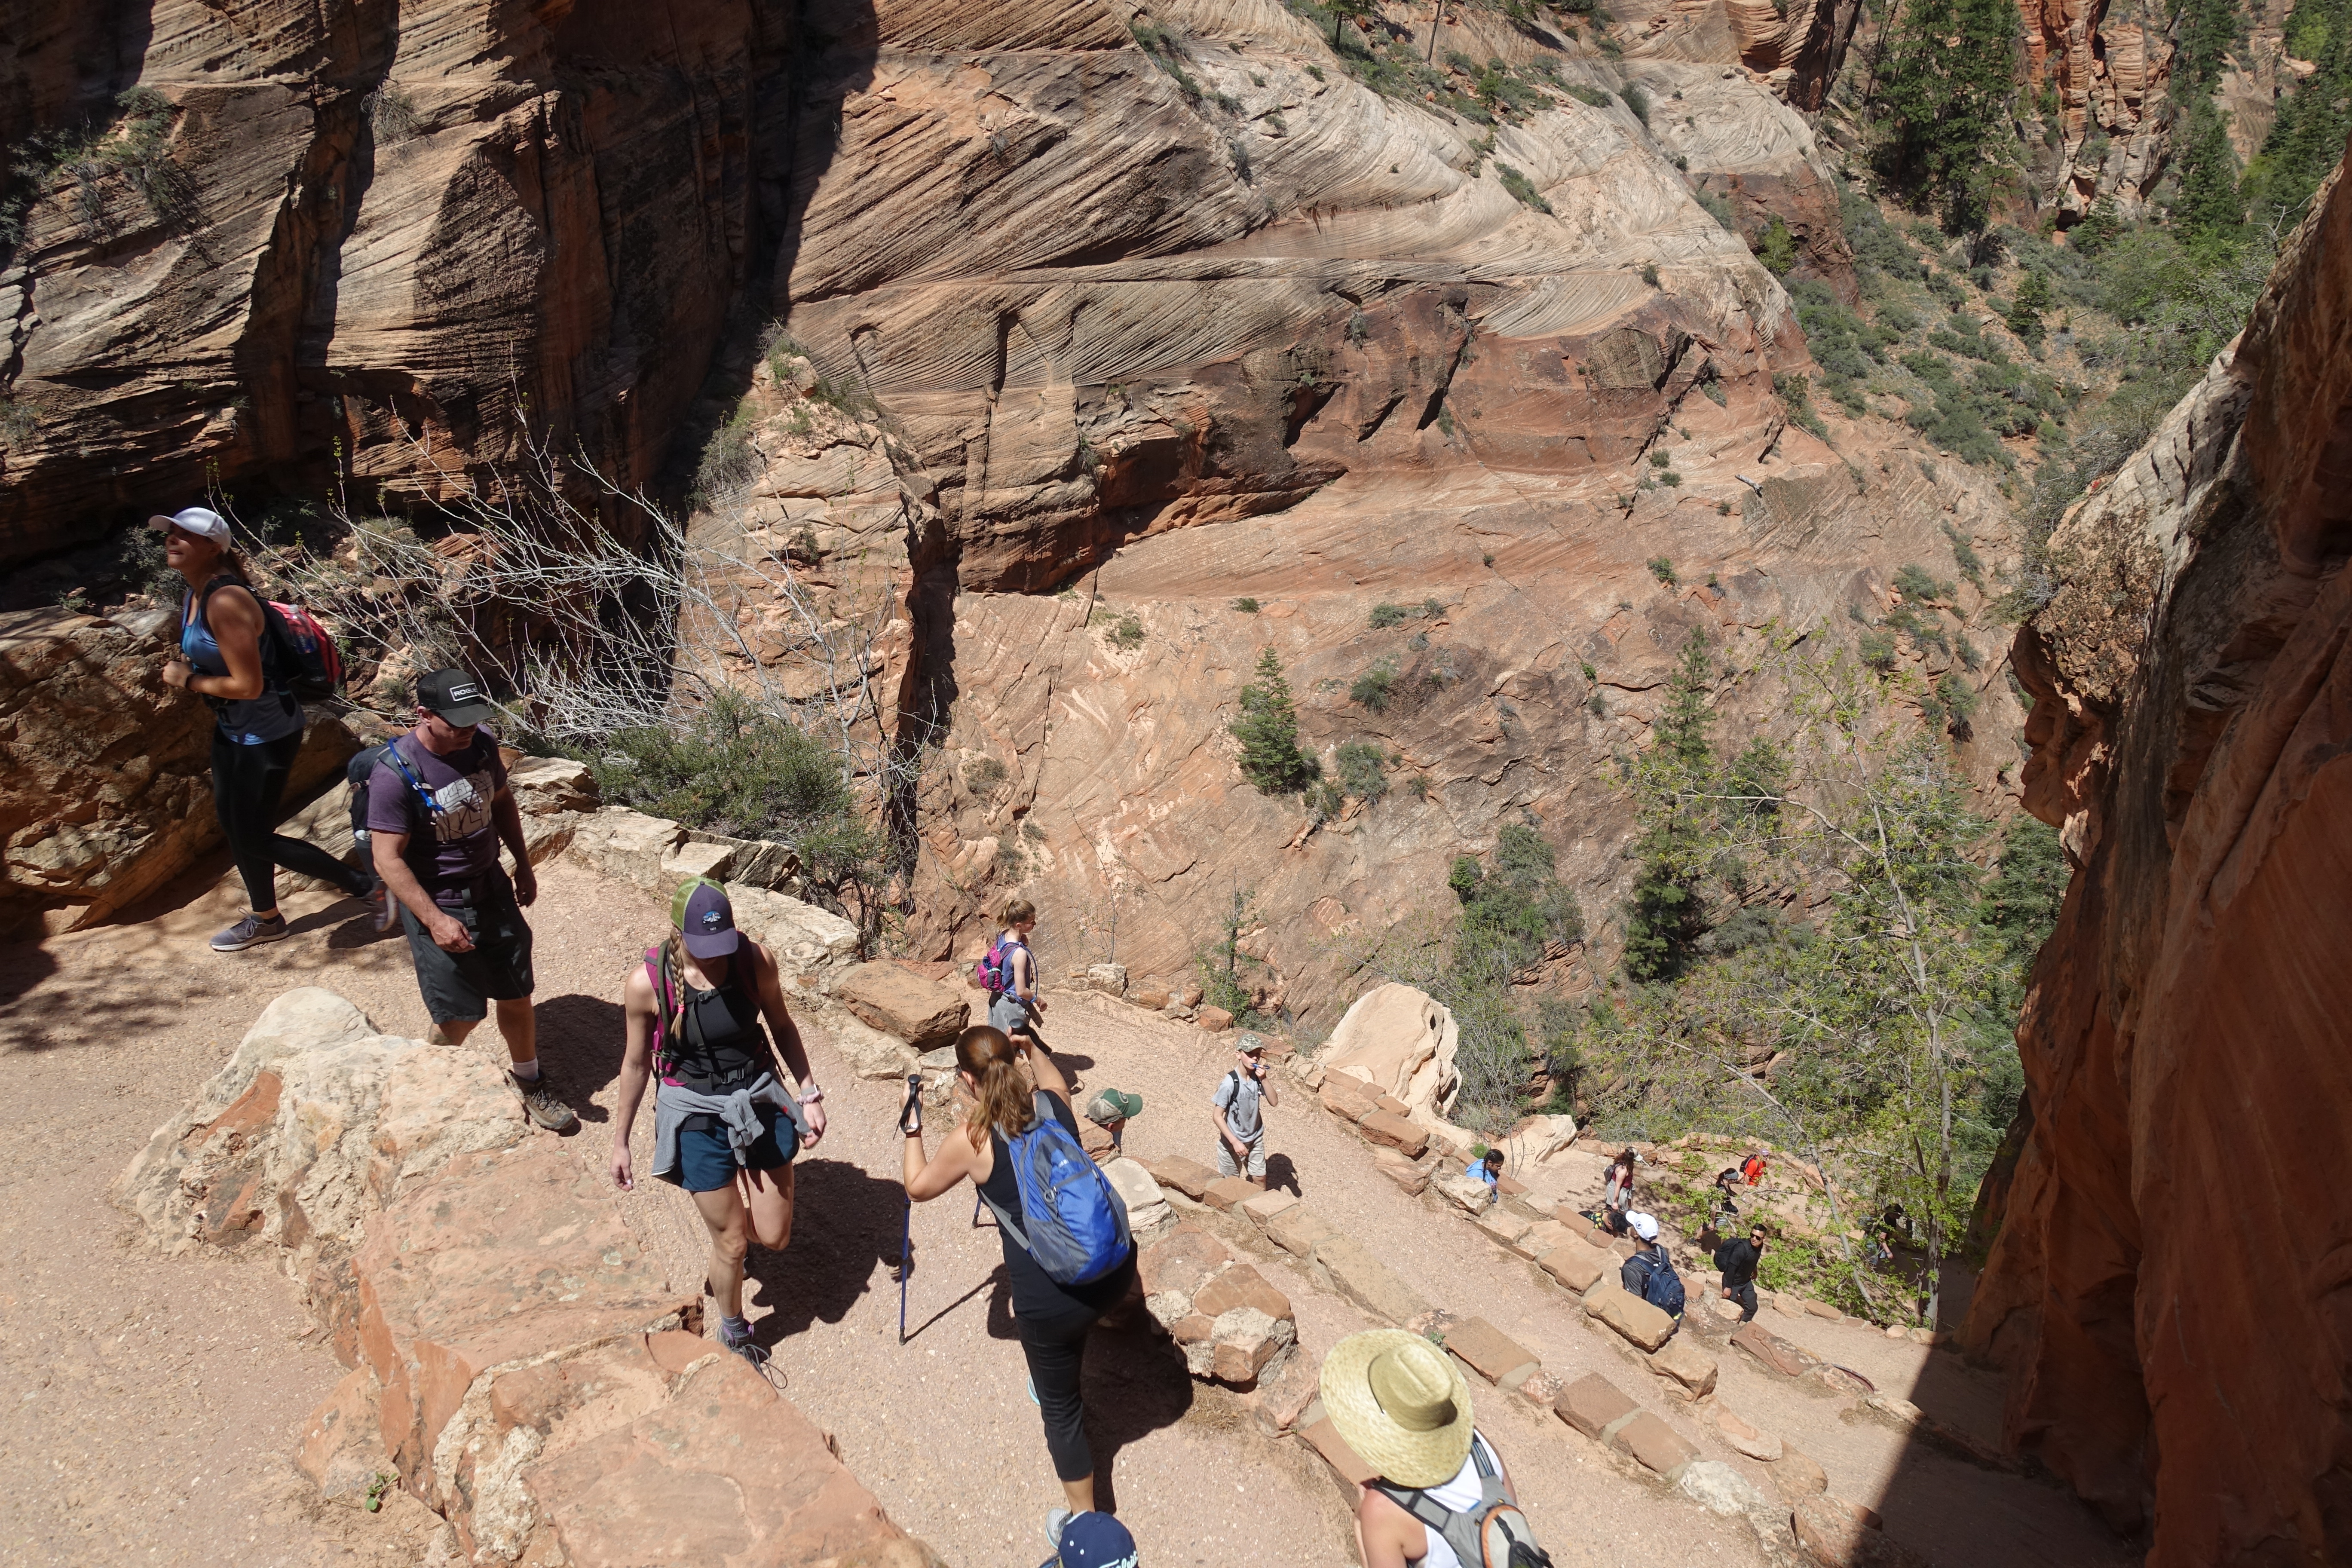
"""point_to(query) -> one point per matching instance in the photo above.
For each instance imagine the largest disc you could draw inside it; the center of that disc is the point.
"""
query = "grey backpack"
(1493, 1533)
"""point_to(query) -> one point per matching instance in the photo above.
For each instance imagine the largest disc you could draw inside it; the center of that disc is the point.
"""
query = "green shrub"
(1877, 649)
(1359, 771)
(1591, 95)
(1125, 632)
(1374, 688)
(1650, 273)
(983, 775)
(1385, 615)
(1637, 98)
(1522, 189)
(1246, 605)
(1777, 250)
(1664, 571)
(729, 459)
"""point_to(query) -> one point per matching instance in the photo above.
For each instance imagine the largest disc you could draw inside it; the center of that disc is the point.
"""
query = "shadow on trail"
(844, 1222)
(1134, 1383)
(580, 1039)
(1281, 1175)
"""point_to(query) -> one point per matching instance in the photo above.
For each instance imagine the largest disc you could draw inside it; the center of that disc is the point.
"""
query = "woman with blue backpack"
(230, 654)
(1068, 1254)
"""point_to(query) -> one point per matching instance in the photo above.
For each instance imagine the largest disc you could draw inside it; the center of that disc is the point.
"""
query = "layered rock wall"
(2168, 1287)
(379, 242)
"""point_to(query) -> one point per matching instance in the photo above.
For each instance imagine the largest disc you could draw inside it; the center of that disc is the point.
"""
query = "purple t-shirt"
(466, 841)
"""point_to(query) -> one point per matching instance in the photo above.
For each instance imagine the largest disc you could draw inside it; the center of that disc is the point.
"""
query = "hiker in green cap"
(725, 1125)
(1105, 1122)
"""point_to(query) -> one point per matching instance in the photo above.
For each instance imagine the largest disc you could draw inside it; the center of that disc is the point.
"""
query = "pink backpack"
(992, 972)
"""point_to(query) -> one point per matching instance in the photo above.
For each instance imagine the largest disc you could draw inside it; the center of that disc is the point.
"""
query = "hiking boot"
(1058, 1520)
(250, 932)
(541, 1104)
(747, 1347)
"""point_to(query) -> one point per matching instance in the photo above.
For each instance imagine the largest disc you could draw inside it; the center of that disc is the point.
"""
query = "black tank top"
(720, 1044)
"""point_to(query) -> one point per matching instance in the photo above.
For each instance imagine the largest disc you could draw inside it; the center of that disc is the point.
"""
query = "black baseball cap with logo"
(455, 696)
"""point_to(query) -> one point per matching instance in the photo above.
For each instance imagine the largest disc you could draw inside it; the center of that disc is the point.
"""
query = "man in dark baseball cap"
(455, 697)
(437, 809)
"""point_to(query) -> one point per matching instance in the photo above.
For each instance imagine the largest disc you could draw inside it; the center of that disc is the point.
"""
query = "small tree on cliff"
(1268, 732)
(1664, 918)
(1941, 97)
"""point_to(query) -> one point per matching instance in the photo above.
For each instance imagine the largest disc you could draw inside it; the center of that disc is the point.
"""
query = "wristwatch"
(811, 1094)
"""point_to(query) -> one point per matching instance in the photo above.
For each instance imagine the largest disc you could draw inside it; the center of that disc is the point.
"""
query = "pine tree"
(2208, 208)
(1268, 732)
(2307, 138)
(1943, 97)
(1665, 920)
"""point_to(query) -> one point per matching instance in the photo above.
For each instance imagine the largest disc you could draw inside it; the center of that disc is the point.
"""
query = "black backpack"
(1661, 1286)
(1493, 1535)
(359, 772)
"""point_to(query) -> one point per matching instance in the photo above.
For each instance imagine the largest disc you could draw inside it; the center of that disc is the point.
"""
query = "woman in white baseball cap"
(260, 728)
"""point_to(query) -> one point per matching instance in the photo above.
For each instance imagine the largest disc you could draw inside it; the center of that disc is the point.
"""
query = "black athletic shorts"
(459, 987)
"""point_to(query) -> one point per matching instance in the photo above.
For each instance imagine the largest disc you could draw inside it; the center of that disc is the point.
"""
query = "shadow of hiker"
(580, 1038)
(1134, 1383)
(1281, 1175)
(845, 1224)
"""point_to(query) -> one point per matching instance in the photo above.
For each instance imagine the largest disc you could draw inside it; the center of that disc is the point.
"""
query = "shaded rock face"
(519, 1365)
(2168, 1246)
(390, 222)
(106, 772)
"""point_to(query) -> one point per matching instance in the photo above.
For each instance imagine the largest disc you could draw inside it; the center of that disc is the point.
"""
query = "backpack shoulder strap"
(1459, 1531)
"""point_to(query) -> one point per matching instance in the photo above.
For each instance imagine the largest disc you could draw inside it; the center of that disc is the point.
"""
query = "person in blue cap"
(1093, 1541)
(725, 1126)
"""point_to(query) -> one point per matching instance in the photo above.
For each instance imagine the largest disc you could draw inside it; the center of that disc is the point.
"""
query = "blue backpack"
(1072, 1219)
(1661, 1286)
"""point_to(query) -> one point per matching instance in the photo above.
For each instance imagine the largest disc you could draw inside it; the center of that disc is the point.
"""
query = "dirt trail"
(148, 1406)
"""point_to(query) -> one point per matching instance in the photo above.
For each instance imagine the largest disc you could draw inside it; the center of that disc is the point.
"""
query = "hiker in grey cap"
(1241, 1121)
(225, 657)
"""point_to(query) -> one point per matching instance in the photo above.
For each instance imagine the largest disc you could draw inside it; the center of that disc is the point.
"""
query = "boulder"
(1325, 1439)
(1349, 1098)
(1366, 1281)
(1402, 1042)
(1214, 1019)
(872, 1053)
(1391, 1131)
(1229, 1192)
(887, 997)
(1593, 1405)
(1146, 1208)
(1503, 1226)
(1297, 1230)
(1747, 1440)
(1467, 1193)
(1690, 1368)
(1634, 1319)
(1574, 1265)
(1266, 1206)
(1771, 1350)
(628, 846)
(1797, 1476)
(545, 786)
(1148, 996)
(1491, 1353)
(1240, 1286)
(1177, 1263)
(1189, 1177)
(1110, 979)
(1654, 1445)
(1410, 1175)
(802, 939)
(1542, 1238)
(1540, 1389)
(343, 1449)
(1244, 1342)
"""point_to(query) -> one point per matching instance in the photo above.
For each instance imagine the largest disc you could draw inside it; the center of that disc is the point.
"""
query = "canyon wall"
(2170, 1286)
(371, 242)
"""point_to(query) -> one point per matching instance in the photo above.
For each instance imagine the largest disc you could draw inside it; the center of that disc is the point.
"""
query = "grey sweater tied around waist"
(739, 1112)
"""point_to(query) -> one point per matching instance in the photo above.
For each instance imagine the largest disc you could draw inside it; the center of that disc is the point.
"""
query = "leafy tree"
(1778, 248)
(1945, 94)
(1268, 731)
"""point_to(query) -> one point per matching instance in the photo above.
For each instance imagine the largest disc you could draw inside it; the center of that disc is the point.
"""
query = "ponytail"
(672, 962)
(994, 1064)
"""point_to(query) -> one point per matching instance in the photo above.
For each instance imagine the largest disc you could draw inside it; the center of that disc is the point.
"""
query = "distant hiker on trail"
(1442, 1497)
(438, 807)
(229, 657)
(1650, 1273)
(1618, 1194)
(1068, 1254)
(1009, 971)
(1241, 1121)
(1486, 1167)
(1738, 1258)
(1752, 1169)
(727, 1121)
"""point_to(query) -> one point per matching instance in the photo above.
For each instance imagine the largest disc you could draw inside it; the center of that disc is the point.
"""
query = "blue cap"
(1097, 1541)
(704, 918)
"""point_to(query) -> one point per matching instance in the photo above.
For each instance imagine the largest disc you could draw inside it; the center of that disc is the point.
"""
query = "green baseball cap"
(1114, 1105)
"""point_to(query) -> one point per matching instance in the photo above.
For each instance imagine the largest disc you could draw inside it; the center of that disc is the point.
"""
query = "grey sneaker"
(250, 932)
(1057, 1522)
(382, 907)
(541, 1104)
(747, 1347)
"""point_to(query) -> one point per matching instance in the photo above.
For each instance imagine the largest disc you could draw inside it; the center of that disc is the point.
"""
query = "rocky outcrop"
(1402, 1043)
(2169, 1251)
(519, 1363)
(106, 772)
(2111, 70)
(376, 243)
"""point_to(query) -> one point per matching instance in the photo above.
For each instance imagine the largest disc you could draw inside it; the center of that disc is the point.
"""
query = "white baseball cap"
(202, 521)
(1643, 1224)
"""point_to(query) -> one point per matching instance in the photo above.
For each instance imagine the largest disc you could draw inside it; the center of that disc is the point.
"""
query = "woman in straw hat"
(1404, 1407)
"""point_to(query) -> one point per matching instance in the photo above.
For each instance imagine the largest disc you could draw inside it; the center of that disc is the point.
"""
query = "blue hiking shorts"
(705, 1162)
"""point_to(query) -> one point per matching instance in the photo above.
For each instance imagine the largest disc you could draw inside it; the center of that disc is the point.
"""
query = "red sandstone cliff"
(2171, 1285)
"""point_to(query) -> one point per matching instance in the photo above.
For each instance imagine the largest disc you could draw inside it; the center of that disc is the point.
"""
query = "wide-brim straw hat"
(1402, 1405)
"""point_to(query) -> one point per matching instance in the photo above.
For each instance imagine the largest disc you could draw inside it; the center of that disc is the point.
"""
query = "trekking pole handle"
(910, 1115)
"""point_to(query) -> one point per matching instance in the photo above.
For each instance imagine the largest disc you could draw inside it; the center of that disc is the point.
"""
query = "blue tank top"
(246, 721)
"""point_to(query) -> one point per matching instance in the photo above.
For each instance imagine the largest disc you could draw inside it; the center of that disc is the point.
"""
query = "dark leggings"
(1746, 1296)
(1056, 1345)
(247, 783)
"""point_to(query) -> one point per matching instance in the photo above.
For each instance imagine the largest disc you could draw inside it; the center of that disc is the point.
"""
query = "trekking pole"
(910, 1119)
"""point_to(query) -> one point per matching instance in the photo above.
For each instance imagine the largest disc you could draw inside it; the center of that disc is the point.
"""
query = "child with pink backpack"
(1008, 972)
